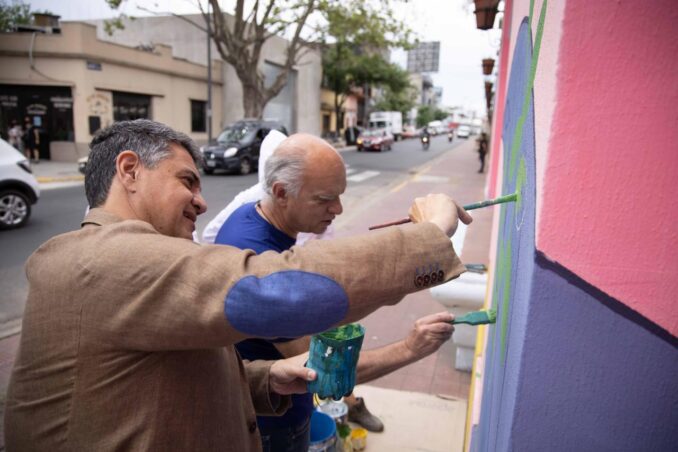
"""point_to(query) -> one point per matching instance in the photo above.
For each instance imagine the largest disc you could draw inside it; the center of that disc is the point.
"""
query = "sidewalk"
(433, 380)
(417, 403)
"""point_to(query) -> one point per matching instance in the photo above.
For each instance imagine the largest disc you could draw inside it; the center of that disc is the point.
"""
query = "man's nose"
(336, 208)
(200, 204)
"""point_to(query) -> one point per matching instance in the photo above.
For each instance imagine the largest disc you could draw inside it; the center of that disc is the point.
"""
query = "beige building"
(296, 106)
(71, 83)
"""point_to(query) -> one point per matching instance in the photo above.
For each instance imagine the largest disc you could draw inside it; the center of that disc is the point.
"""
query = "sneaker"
(362, 416)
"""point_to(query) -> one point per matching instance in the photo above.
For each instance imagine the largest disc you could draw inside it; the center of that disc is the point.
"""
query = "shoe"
(361, 415)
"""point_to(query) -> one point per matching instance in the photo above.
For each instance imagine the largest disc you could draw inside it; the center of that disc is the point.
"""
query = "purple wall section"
(595, 375)
(514, 261)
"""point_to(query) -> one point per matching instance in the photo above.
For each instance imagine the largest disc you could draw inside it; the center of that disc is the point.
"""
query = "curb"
(48, 179)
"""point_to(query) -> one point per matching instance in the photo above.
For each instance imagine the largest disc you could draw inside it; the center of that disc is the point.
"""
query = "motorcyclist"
(425, 137)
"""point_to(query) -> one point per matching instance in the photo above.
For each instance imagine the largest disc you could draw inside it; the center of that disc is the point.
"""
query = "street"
(61, 210)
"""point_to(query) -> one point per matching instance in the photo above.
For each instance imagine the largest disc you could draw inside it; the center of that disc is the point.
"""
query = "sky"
(452, 22)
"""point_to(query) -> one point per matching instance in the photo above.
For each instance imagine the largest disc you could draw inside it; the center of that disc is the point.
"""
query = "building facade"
(296, 106)
(70, 84)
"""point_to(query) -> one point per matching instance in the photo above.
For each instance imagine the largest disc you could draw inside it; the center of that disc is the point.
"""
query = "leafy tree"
(356, 36)
(424, 115)
(240, 39)
(357, 30)
(14, 13)
(398, 93)
(439, 114)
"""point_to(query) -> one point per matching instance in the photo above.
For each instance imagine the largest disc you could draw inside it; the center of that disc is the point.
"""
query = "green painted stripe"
(518, 135)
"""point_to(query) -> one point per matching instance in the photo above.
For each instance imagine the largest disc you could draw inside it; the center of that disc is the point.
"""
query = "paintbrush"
(476, 205)
(477, 317)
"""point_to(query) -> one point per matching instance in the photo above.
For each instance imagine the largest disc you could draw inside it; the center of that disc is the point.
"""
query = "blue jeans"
(287, 439)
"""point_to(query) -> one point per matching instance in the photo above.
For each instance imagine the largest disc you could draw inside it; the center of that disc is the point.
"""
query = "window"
(198, 116)
(130, 106)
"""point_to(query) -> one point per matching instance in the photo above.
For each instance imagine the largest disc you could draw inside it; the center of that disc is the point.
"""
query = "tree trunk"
(252, 102)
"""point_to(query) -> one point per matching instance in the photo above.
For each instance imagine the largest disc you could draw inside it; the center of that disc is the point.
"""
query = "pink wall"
(609, 211)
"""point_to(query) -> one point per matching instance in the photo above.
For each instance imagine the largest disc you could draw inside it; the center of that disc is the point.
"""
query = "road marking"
(399, 187)
(360, 177)
(350, 170)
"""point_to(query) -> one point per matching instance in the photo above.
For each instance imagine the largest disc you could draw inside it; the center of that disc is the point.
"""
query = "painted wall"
(577, 360)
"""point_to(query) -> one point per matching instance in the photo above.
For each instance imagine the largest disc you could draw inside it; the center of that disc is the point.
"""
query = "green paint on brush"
(490, 202)
(477, 317)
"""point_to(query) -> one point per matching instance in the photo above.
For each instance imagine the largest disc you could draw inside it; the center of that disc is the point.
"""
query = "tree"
(13, 13)
(356, 36)
(398, 93)
(240, 39)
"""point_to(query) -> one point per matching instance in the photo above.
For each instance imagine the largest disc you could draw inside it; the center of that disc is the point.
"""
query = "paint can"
(334, 356)
(359, 438)
(323, 433)
(336, 410)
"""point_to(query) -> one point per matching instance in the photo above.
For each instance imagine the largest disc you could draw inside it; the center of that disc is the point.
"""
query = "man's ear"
(279, 193)
(127, 166)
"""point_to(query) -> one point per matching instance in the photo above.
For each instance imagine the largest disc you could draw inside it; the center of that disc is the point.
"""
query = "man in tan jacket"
(129, 326)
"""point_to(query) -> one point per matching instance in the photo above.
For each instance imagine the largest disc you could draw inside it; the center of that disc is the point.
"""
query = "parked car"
(375, 140)
(82, 164)
(18, 188)
(463, 131)
(237, 147)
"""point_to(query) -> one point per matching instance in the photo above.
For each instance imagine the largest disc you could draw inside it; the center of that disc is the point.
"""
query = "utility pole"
(209, 77)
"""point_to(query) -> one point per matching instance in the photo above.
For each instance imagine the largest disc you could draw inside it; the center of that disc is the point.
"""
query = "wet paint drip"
(334, 356)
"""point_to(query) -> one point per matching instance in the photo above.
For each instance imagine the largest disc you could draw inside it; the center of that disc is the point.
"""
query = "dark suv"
(237, 147)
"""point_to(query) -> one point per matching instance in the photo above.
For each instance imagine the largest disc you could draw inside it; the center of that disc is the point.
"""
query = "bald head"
(304, 179)
(297, 155)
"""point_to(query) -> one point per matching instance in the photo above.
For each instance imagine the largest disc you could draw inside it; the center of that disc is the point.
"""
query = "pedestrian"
(303, 180)
(15, 135)
(31, 141)
(482, 150)
(128, 332)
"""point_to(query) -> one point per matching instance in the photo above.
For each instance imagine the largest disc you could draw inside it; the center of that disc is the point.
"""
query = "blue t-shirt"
(246, 229)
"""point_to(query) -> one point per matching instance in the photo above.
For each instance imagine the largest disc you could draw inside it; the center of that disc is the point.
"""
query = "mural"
(576, 360)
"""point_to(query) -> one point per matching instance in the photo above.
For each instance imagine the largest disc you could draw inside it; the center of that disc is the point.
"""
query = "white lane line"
(360, 177)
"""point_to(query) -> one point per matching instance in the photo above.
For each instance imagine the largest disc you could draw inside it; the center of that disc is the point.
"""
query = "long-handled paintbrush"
(476, 205)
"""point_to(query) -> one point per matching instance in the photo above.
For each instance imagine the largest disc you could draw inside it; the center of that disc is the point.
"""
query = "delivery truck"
(392, 121)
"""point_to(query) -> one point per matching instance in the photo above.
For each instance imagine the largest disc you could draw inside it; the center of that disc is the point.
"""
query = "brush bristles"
(492, 315)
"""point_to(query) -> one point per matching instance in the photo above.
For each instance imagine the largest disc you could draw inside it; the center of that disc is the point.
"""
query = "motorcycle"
(450, 136)
(425, 141)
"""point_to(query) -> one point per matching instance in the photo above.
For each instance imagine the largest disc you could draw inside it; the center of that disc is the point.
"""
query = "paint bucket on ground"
(334, 356)
(323, 433)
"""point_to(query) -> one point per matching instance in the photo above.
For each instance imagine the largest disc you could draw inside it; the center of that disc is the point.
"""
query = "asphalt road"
(61, 210)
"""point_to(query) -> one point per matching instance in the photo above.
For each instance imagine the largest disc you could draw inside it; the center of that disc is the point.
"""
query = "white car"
(18, 188)
(463, 131)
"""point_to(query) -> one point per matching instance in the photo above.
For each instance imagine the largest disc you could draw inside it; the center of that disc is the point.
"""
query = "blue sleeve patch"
(290, 303)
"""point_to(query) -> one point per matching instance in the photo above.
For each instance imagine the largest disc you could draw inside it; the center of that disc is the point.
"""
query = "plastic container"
(323, 433)
(334, 356)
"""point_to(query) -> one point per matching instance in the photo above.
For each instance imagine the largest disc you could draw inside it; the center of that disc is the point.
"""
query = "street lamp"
(485, 12)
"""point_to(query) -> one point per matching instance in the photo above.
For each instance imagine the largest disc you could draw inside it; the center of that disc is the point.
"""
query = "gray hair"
(148, 139)
(285, 167)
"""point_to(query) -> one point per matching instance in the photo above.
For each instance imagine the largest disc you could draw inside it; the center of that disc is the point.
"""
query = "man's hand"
(289, 376)
(440, 210)
(429, 333)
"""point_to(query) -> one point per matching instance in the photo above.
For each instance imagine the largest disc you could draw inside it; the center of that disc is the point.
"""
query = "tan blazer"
(127, 334)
